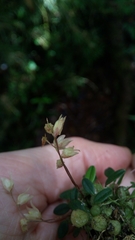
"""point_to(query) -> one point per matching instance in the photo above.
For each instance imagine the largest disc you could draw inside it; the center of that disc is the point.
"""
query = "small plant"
(103, 212)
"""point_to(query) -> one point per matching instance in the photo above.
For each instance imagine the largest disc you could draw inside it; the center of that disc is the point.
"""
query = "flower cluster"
(59, 142)
(33, 214)
(55, 129)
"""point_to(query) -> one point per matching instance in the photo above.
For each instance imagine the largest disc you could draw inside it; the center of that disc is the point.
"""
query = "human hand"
(34, 171)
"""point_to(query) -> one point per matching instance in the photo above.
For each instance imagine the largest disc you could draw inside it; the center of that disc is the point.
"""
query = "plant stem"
(66, 169)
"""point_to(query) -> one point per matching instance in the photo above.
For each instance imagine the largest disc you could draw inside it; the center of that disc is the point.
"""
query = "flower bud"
(115, 227)
(24, 225)
(7, 184)
(69, 152)
(43, 140)
(99, 223)
(106, 211)
(79, 218)
(59, 163)
(23, 198)
(58, 126)
(95, 210)
(48, 128)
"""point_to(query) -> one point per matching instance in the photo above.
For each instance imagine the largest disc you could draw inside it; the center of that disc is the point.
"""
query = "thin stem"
(66, 169)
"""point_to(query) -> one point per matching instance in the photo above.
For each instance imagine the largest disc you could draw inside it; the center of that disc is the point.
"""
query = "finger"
(100, 155)
(38, 166)
(128, 178)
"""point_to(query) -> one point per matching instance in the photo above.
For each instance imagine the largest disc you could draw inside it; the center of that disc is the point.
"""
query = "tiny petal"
(7, 184)
(48, 128)
(58, 126)
(69, 152)
(23, 198)
(24, 225)
(59, 163)
(33, 214)
(62, 143)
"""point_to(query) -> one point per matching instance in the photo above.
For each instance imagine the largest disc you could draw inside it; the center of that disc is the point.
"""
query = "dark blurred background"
(70, 57)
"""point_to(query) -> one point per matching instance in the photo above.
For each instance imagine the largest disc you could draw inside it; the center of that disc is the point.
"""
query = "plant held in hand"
(102, 212)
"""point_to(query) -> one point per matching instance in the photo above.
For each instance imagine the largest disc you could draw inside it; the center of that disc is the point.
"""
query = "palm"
(34, 171)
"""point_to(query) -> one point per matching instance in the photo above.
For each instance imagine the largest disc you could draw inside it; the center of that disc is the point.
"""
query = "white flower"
(69, 152)
(62, 142)
(7, 184)
(58, 126)
(33, 214)
(23, 198)
(48, 127)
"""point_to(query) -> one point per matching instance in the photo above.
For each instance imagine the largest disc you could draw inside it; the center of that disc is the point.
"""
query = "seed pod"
(95, 210)
(107, 211)
(99, 223)
(79, 218)
(128, 213)
(122, 192)
(115, 227)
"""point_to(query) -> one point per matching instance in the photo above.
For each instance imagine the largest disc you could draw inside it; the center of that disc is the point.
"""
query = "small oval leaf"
(61, 209)
(76, 232)
(63, 229)
(88, 186)
(132, 184)
(91, 173)
(115, 175)
(76, 204)
(102, 195)
(108, 172)
(70, 194)
(132, 194)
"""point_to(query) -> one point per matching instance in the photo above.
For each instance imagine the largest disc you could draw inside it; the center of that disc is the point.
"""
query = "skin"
(34, 171)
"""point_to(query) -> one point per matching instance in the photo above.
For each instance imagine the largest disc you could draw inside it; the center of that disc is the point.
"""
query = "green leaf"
(113, 175)
(108, 172)
(132, 194)
(91, 173)
(63, 229)
(132, 184)
(76, 204)
(69, 194)
(61, 209)
(120, 179)
(88, 186)
(103, 195)
(76, 232)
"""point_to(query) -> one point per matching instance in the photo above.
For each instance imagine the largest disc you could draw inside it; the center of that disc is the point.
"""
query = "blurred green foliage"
(49, 50)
